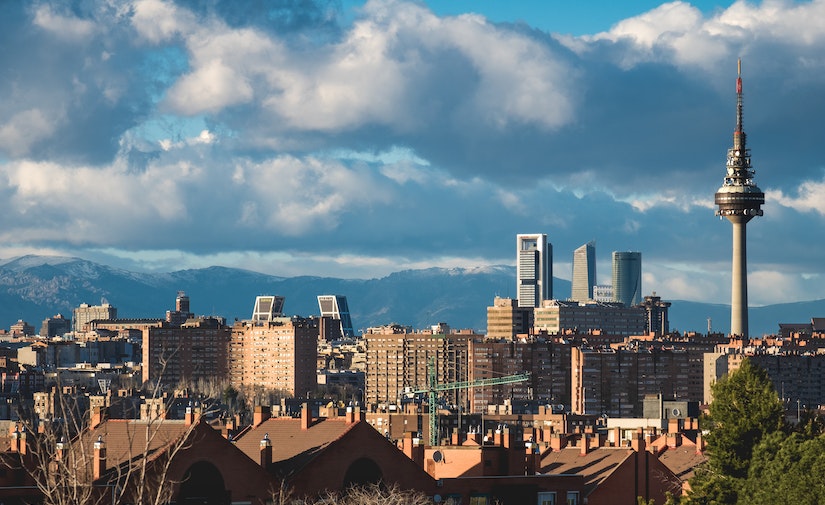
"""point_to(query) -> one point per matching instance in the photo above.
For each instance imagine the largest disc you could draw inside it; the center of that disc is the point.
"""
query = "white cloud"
(25, 129)
(64, 27)
(158, 21)
(810, 197)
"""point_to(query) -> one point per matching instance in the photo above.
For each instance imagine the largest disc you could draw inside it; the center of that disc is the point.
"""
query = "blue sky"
(349, 139)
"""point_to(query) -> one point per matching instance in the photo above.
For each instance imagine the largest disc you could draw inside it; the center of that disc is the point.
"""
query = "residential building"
(196, 350)
(398, 363)
(627, 278)
(615, 381)
(278, 353)
(55, 326)
(584, 272)
(534, 269)
(21, 328)
(86, 313)
(506, 320)
(547, 362)
(556, 316)
(658, 322)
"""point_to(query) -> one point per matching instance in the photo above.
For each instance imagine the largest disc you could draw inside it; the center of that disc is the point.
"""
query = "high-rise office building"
(739, 200)
(534, 269)
(627, 278)
(336, 308)
(584, 272)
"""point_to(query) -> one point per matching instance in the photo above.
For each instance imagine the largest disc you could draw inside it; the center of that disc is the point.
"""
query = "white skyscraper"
(534, 269)
(627, 278)
(584, 272)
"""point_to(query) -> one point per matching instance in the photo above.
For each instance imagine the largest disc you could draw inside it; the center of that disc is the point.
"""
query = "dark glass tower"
(739, 200)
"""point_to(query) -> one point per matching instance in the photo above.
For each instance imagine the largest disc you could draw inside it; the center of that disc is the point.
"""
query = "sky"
(354, 139)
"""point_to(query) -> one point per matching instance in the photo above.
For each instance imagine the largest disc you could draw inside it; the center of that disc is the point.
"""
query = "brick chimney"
(266, 451)
(531, 456)
(189, 416)
(584, 444)
(558, 441)
(97, 416)
(413, 448)
(259, 415)
(637, 442)
(60, 449)
(700, 443)
(306, 417)
(99, 462)
(674, 440)
(15, 438)
(23, 446)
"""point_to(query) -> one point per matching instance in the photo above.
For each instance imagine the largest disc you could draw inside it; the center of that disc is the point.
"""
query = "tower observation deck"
(739, 200)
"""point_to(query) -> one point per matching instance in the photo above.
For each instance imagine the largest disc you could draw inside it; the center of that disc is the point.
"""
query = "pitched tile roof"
(682, 460)
(595, 466)
(292, 447)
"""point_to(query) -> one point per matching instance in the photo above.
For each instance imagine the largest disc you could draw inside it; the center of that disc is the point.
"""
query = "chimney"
(532, 456)
(98, 415)
(60, 449)
(674, 440)
(558, 441)
(99, 463)
(23, 445)
(259, 415)
(15, 438)
(637, 442)
(413, 448)
(673, 425)
(584, 444)
(306, 417)
(508, 437)
(189, 416)
(498, 436)
(266, 451)
(700, 443)
(617, 436)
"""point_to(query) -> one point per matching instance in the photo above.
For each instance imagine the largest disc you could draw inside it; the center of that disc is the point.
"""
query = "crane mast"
(435, 387)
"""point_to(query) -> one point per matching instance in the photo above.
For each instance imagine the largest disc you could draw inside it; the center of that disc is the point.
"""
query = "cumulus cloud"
(269, 132)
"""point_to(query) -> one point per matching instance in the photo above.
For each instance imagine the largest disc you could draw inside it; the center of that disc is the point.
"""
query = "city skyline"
(358, 139)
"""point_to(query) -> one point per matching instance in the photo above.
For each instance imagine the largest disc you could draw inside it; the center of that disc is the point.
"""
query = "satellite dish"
(437, 456)
(437, 498)
(676, 412)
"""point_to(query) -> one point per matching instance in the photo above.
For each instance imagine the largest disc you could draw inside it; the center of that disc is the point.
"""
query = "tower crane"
(435, 387)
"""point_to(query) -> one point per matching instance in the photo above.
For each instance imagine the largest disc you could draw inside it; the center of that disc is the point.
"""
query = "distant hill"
(33, 288)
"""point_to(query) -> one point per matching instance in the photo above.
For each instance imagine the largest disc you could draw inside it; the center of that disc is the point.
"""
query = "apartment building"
(276, 353)
(548, 363)
(398, 358)
(196, 350)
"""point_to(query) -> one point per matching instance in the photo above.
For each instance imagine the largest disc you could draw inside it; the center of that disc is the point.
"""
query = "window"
(572, 498)
(479, 499)
(547, 498)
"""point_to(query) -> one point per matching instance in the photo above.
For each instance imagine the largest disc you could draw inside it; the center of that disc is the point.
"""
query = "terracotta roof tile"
(292, 447)
(595, 466)
(682, 460)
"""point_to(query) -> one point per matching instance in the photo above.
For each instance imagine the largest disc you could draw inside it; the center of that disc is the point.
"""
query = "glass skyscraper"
(584, 272)
(534, 269)
(627, 278)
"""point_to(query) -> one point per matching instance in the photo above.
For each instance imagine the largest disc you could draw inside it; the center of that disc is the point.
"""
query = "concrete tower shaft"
(739, 200)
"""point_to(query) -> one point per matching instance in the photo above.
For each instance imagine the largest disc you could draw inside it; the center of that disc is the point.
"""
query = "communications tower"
(739, 200)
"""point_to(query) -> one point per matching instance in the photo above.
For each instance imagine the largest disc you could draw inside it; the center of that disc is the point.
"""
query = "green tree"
(744, 410)
(786, 469)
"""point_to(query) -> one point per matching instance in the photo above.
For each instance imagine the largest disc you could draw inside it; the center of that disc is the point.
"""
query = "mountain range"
(33, 288)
